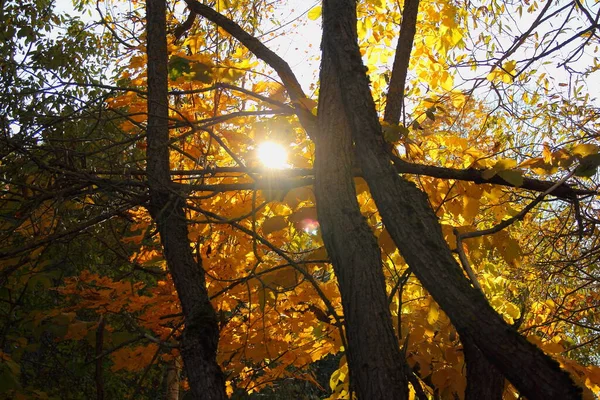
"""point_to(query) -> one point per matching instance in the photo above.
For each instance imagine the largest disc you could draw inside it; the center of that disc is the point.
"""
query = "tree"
(256, 253)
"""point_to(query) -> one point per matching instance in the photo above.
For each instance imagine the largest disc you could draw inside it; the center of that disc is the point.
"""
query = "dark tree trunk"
(395, 96)
(201, 332)
(416, 230)
(376, 365)
(483, 379)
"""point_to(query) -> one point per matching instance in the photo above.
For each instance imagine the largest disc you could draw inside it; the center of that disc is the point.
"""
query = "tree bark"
(201, 332)
(376, 367)
(172, 380)
(417, 233)
(395, 96)
(483, 379)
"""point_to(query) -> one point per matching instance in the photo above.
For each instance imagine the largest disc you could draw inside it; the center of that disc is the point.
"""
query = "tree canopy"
(409, 212)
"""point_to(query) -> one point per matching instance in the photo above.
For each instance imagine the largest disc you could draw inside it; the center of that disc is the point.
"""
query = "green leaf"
(393, 133)
(181, 66)
(178, 66)
(512, 176)
(231, 75)
(588, 166)
(315, 13)
(489, 173)
(201, 72)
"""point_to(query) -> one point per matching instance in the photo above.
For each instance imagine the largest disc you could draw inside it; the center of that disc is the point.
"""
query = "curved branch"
(267, 55)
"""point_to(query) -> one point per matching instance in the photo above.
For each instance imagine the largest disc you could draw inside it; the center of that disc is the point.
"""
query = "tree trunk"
(395, 96)
(201, 332)
(416, 231)
(171, 386)
(483, 379)
(376, 366)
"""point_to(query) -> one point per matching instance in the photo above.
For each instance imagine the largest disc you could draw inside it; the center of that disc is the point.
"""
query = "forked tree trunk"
(483, 379)
(201, 332)
(376, 366)
(417, 233)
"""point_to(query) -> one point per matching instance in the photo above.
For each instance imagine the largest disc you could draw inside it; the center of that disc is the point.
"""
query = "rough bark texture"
(415, 229)
(201, 332)
(376, 365)
(483, 379)
(395, 95)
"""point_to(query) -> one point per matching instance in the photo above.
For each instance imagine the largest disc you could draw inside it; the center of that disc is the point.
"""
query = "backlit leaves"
(516, 124)
(315, 13)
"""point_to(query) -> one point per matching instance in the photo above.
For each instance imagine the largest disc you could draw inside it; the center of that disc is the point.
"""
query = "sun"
(272, 155)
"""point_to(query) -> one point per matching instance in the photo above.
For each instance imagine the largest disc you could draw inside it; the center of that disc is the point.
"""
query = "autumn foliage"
(505, 147)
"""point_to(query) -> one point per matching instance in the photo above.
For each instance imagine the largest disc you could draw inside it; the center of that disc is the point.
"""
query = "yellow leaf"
(285, 278)
(553, 348)
(504, 74)
(447, 81)
(319, 254)
(265, 296)
(433, 314)
(488, 173)
(532, 162)
(504, 164)
(512, 311)
(458, 99)
(471, 207)
(583, 150)
(547, 154)
(315, 13)
(509, 66)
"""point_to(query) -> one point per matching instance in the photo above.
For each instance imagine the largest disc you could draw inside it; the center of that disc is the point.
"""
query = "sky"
(299, 46)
